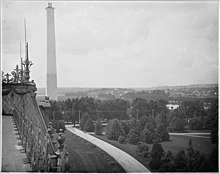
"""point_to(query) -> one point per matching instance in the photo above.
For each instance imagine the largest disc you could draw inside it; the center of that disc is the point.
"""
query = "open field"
(85, 157)
(179, 142)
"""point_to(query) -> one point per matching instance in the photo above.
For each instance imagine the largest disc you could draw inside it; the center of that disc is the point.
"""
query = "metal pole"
(79, 117)
(137, 114)
(73, 115)
(20, 49)
(25, 31)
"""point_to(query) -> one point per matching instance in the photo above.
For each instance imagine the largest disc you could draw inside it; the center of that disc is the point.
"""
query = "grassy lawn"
(85, 157)
(198, 131)
(175, 144)
(178, 142)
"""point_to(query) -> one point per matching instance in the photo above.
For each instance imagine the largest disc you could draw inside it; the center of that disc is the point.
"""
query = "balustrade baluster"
(20, 127)
(39, 154)
(27, 128)
(45, 154)
(22, 131)
(32, 147)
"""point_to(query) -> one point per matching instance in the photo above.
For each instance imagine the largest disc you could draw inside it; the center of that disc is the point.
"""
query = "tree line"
(190, 114)
(142, 122)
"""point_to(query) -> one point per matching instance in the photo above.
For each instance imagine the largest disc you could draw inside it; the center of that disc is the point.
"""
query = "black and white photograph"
(110, 86)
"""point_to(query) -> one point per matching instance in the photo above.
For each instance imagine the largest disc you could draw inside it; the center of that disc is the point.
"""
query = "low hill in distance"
(163, 92)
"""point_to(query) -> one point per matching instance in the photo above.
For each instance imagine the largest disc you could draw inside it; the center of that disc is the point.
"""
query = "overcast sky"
(117, 44)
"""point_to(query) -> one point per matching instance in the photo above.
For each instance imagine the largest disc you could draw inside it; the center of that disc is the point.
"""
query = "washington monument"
(51, 89)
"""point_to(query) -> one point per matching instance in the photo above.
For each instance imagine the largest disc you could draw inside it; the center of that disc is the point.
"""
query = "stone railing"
(45, 153)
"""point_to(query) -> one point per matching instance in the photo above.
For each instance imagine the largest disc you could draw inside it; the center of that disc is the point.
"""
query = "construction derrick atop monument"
(51, 89)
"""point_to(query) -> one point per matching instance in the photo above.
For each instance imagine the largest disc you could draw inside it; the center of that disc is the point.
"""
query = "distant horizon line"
(137, 87)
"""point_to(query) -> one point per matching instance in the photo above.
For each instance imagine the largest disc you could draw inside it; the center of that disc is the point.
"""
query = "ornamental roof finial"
(26, 62)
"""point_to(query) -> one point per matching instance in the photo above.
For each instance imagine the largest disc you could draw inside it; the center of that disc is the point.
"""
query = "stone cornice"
(19, 88)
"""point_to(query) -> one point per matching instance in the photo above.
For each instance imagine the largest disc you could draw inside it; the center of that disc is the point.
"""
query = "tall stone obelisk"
(51, 89)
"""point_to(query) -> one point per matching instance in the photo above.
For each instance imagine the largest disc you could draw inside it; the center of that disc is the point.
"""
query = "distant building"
(172, 106)
(44, 105)
(43, 101)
